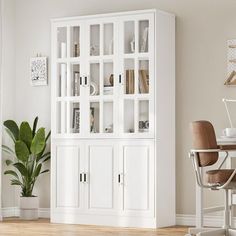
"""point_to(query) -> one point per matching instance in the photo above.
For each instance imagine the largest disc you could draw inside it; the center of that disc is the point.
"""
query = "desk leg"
(199, 206)
(229, 166)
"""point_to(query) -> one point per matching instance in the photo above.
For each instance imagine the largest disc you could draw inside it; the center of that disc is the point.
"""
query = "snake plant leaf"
(37, 171)
(25, 133)
(38, 142)
(13, 127)
(22, 151)
(9, 162)
(21, 168)
(35, 125)
(16, 182)
(11, 172)
(8, 150)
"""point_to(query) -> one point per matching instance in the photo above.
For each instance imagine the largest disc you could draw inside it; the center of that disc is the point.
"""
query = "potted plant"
(26, 162)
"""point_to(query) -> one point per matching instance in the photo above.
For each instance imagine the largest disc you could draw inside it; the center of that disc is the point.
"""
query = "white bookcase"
(113, 119)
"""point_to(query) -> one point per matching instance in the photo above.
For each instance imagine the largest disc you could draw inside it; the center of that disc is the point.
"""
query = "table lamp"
(227, 109)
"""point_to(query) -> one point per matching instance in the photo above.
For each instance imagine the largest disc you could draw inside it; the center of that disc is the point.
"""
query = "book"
(143, 81)
(129, 81)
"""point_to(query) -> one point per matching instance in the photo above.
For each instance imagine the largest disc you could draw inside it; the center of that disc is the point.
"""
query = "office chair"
(205, 153)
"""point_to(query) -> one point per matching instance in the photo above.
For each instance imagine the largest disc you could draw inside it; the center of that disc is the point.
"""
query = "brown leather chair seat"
(220, 176)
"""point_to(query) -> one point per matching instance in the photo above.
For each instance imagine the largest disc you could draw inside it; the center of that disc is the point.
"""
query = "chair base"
(211, 232)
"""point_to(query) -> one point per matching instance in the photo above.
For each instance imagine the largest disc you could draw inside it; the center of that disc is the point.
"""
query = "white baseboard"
(181, 219)
(15, 212)
(209, 220)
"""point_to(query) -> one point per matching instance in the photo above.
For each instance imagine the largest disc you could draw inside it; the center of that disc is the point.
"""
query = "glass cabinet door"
(101, 77)
(69, 87)
(137, 85)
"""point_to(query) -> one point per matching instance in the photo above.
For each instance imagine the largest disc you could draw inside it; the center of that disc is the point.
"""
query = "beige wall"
(203, 26)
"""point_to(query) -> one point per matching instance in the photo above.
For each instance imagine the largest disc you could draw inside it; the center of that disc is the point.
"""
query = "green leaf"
(9, 162)
(22, 152)
(15, 182)
(13, 127)
(35, 125)
(10, 134)
(49, 134)
(37, 171)
(45, 171)
(11, 172)
(26, 133)
(46, 159)
(8, 150)
(40, 157)
(38, 142)
(22, 169)
(30, 167)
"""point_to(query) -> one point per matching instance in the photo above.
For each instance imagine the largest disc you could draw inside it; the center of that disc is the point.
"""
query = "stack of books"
(129, 81)
(143, 81)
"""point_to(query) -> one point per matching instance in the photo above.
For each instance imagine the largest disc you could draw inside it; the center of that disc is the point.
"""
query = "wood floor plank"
(42, 227)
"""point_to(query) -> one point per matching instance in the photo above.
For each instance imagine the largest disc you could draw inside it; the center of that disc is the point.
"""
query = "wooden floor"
(42, 227)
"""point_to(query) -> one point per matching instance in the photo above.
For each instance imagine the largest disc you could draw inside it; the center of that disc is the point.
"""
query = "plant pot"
(29, 208)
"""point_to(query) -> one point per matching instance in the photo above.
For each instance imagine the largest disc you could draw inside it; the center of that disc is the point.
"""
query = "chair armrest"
(227, 147)
(205, 150)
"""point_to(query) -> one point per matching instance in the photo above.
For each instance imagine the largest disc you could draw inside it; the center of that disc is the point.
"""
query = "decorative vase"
(29, 208)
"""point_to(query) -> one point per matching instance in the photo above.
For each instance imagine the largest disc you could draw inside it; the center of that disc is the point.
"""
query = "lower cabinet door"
(101, 167)
(137, 167)
(68, 187)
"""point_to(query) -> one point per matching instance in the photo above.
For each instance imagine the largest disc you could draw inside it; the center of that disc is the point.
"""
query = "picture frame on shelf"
(38, 71)
(76, 120)
(92, 123)
(76, 87)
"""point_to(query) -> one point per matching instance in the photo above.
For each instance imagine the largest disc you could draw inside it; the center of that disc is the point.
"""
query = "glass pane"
(108, 39)
(94, 40)
(62, 80)
(94, 79)
(128, 116)
(75, 44)
(61, 117)
(143, 35)
(61, 39)
(129, 39)
(143, 116)
(94, 117)
(76, 80)
(129, 76)
(58, 111)
(108, 78)
(108, 117)
(143, 76)
(75, 117)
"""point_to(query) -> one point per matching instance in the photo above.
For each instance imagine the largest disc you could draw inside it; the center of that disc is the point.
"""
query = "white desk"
(199, 191)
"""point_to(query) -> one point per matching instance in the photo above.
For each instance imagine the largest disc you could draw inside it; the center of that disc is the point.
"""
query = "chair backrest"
(204, 138)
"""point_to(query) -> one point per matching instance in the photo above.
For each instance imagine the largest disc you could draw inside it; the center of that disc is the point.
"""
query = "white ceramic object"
(29, 208)
(93, 89)
(229, 132)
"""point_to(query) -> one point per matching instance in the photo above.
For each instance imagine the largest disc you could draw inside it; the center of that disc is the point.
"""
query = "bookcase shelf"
(113, 119)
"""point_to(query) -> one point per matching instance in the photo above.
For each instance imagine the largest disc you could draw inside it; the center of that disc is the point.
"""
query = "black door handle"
(120, 78)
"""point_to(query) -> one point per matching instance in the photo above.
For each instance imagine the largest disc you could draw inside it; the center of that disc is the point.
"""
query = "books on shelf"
(143, 81)
(129, 81)
(108, 90)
